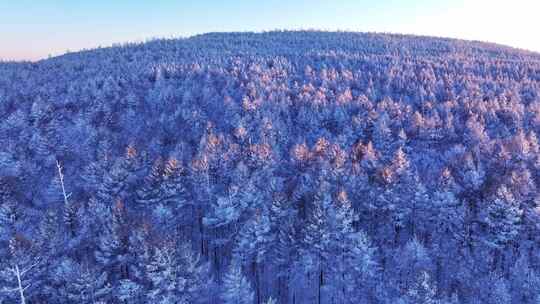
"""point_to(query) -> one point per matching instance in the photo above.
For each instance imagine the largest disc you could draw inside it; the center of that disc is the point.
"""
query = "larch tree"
(236, 288)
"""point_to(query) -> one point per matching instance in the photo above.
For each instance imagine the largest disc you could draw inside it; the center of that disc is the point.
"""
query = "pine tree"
(162, 272)
(524, 282)
(496, 291)
(111, 251)
(176, 274)
(254, 240)
(503, 222)
(92, 176)
(284, 252)
(317, 230)
(150, 194)
(226, 210)
(252, 250)
(410, 262)
(445, 224)
(9, 215)
(49, 239)
(370, 157)
(317, 236)
(114, 185)
(173, 186)
(400, 163)
(129, 291)
(356, 276)
(342, 221)
(423, 292)
(174, 194)
(118, 179)
(236, 289)
(139, 253)
(88, 286)
(382, 134)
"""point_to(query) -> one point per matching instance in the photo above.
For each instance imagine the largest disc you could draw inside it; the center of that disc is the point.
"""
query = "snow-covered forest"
(278, 167)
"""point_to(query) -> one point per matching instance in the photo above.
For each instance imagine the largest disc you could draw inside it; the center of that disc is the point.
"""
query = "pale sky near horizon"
(35, 29)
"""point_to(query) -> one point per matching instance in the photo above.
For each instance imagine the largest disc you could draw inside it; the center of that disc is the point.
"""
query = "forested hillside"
(279, 167)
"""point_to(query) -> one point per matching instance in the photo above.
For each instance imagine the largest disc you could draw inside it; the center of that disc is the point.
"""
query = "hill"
(307, 167)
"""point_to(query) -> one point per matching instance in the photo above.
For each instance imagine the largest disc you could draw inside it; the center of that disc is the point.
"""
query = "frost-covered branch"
(19, 273)
(61, 178)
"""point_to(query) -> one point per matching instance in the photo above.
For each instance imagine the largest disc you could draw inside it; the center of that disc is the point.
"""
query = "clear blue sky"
(33, 29)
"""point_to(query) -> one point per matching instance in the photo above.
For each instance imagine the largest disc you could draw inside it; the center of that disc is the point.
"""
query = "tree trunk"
(321, 283)
(19, 282)
(257, 283)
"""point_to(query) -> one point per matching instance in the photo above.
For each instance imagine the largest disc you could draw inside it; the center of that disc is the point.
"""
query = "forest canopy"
(277, 167)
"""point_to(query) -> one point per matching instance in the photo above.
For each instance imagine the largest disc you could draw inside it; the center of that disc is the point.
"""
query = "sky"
(36, 29)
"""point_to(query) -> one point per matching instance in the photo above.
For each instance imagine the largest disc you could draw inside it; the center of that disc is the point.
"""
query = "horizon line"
(180, 36)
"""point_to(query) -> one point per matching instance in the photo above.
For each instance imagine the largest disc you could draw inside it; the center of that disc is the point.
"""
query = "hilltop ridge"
(349, 41)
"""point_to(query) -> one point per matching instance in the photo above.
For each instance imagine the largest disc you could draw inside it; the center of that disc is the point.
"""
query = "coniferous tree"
(503, 222)
(88, 286)
(524, 282)
(150, 193)
(317, 237)
(139, 253)
(236, 289)
(410, 262)
(423, 292)
(176, 275)
(252, 250)
(117, 180)
(173, 186)
(129, 291)
(111, 252)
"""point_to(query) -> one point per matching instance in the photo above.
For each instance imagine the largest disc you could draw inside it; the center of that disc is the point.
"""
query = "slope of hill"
(306, 167)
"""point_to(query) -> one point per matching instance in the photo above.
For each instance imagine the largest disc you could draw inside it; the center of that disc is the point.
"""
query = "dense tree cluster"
(280, 167)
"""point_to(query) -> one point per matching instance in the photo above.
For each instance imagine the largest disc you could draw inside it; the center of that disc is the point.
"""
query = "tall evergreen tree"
(236, 289)
(423, 292)
(89, 286)
(176, 275)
